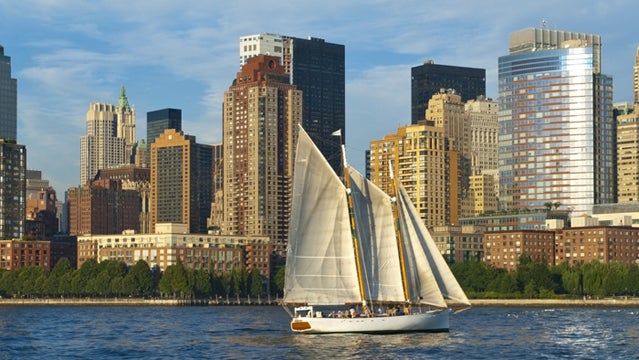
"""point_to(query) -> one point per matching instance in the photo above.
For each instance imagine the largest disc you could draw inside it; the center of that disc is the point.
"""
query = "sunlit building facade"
(556, 129)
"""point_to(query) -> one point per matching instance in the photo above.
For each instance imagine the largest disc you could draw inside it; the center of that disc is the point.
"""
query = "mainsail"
(378, 244)
(320, 261)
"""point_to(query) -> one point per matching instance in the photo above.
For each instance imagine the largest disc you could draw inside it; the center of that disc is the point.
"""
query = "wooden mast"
(398, 233)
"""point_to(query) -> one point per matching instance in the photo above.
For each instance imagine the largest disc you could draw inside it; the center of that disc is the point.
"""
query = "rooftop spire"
(123, 103)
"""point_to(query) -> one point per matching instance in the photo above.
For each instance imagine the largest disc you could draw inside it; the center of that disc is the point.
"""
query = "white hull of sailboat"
(430, 321)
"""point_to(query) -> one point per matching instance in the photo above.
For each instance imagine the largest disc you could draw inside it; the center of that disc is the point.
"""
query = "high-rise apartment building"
(635, 79)
(217, 206)
(125, 116)
(627, 150)
(428, 79)
(317, 68)
(447, 110)
(13, 166)
(261, 112)
(181, 172)
(427, 166)
(101, 148)
(556, 129)
(484, 129)
(8, 99)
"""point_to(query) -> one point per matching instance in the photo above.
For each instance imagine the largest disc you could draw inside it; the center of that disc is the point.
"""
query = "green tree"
(255, 280)
(278, 279)
(139, 281)
(52, 283)
(202, 283)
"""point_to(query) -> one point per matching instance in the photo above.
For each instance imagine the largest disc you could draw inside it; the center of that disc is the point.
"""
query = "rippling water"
(262, 333)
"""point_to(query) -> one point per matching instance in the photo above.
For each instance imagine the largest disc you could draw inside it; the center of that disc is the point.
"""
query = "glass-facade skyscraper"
(8, 99)
(159, 120)
(556, 127)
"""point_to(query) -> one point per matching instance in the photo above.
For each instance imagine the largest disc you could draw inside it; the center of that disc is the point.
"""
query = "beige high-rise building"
(484, 131)
(483, 193)
(427, 167)
(181, 172)
(627, 149)
(447, 110)
(100, 148)
(261, 113)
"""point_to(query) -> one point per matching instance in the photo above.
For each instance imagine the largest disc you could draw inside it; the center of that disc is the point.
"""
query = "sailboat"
(352, 246)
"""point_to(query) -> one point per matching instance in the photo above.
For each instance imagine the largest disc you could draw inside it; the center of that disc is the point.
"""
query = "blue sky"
(184, 54)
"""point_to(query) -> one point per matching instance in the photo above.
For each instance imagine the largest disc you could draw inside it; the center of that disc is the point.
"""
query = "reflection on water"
(263, 333)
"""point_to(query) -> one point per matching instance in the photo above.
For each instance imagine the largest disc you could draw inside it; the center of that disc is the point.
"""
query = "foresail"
(320, 261)
(422, 284)
(421, 239)
(378, 244)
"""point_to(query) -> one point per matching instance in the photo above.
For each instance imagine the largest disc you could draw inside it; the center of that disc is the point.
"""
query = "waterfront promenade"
(618, 301)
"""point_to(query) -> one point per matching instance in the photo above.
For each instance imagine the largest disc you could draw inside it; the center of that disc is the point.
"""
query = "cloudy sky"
(184, 54)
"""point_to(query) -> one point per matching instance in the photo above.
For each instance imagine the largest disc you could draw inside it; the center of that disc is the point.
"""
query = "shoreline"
(606, 302)
(611, 302)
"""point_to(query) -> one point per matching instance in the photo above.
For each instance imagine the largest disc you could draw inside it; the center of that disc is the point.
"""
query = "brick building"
(16, 254)
(504, 248)
(103, 207)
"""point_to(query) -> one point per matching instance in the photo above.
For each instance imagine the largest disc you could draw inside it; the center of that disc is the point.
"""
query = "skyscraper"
(8, 99)
(627, 149)
(556, 129)
(426, 165)
(181, 173)
(428, 79)
(13, 187)
(261, 113)
(317, 68)
(635, 77)
(159, 120)
(101, 147)
(125, 115)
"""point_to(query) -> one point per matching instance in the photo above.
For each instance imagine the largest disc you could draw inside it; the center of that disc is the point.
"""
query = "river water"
(254, 332)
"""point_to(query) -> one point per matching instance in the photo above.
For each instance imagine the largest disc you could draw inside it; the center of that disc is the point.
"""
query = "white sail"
(378, 244)
(422, 285)
(320, 261)
(439, 271)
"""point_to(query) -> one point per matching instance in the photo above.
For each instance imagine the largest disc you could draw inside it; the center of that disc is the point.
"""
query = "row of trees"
(115, 279)
(540, 280)
(480, 280)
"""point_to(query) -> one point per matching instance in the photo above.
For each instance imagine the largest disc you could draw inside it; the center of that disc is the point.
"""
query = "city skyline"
(66, 55)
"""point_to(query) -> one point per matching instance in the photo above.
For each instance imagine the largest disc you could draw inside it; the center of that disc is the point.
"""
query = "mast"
(398, 233)
(351, 214)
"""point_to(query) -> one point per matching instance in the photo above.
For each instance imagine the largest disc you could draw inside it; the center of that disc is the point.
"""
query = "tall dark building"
(13, 189)
(181, 181)
(8, 99)
(317, 68)
(159, 120)
(429, 78)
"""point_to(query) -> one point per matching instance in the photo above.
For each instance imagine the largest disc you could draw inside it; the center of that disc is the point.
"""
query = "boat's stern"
(301, 316)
